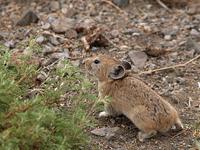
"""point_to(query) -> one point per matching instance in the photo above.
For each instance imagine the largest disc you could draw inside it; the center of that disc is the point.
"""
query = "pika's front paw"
(141, 137)
(103, 114)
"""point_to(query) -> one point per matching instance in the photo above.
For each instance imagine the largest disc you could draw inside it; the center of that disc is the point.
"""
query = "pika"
(131, 97)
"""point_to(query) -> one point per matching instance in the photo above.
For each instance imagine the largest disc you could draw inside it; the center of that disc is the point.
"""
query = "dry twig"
(115, 6)
(171, 67)
(163, 5)
(179, 133)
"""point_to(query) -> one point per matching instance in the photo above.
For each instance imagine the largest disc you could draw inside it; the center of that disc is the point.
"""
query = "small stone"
(61, 55)
(27, 19)
(114, 33)
(54, 6)
(40, 39)
(54, 40)
(199, 85)
(84, 25)
(76, 63)
(192, 44)
(138, 58)
(121, 3)
(47, 50)
(61, 25)
(191, 11)
(149, 6)
(64, 10)
(48, 61)
(41, 77)
(46, 26)
(105, 131)
(190, 53)
(10, 44)
(168, 37)
(71, 34)
(180, 80)
(3, 35)
(194, 32)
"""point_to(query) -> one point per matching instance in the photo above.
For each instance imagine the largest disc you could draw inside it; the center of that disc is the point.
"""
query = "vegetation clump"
(49, 116)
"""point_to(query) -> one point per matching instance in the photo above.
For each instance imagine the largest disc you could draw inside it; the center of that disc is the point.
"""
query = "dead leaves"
(94, 37)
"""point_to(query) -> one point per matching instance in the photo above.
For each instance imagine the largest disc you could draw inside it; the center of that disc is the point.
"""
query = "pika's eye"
(96, 61)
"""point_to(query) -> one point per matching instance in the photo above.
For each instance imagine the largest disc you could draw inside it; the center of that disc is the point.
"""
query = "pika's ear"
(117, 72)
(126, 65)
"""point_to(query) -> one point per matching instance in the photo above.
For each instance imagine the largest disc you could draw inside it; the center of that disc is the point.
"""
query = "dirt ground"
(169, 38)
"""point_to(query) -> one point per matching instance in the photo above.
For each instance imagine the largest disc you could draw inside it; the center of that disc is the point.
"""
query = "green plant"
(53, 118)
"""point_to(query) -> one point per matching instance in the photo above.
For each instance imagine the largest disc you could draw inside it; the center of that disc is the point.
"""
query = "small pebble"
(40, 39)
(194, 32)
(168, 37)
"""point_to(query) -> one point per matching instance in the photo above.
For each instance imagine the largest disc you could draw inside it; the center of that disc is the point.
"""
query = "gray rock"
(194, 32)
(138, 58)
(105, 132)
(46, 26)
(121, 3)
(10, 44)
(40, 39)
(71, 34)
(60, 55)
(27, 19)
(114, 33)
(47, 50)
(190, 53)
(76, 63)
(54, 5)
(62, 25)
(192, 44)
(54, 40)
(168, 37)
(180, 80)
(3, 35)
(41, 77)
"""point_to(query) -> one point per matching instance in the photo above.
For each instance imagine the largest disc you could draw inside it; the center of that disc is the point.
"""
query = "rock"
(71, 34)
(192, 44)
(60, 55)
(49, 61)
(54, 5)
(114, 33)
(54, 40)
(70, 12)
(40, 39)
(27, 19)
(194, 32)
(121, 3)
(190, 53)
(105, 132)
(62, 25)
(76, 63)
(180, 80)
(10, 44)
(171, 31)
(41, 77)
(84, 25)
(168, 37)
(138, 58)
(46, 26)
(3, 35)
(47, 50)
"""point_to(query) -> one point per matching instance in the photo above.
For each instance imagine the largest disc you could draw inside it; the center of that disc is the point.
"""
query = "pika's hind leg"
(109, 111)
(145, 135)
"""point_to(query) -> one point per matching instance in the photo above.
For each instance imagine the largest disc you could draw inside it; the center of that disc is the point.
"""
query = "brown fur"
(133, 98)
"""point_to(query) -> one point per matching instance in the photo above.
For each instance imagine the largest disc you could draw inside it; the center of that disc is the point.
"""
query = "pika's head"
(106, 68)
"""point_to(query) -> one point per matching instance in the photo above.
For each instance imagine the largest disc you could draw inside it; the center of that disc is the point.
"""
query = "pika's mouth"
(88, 70)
